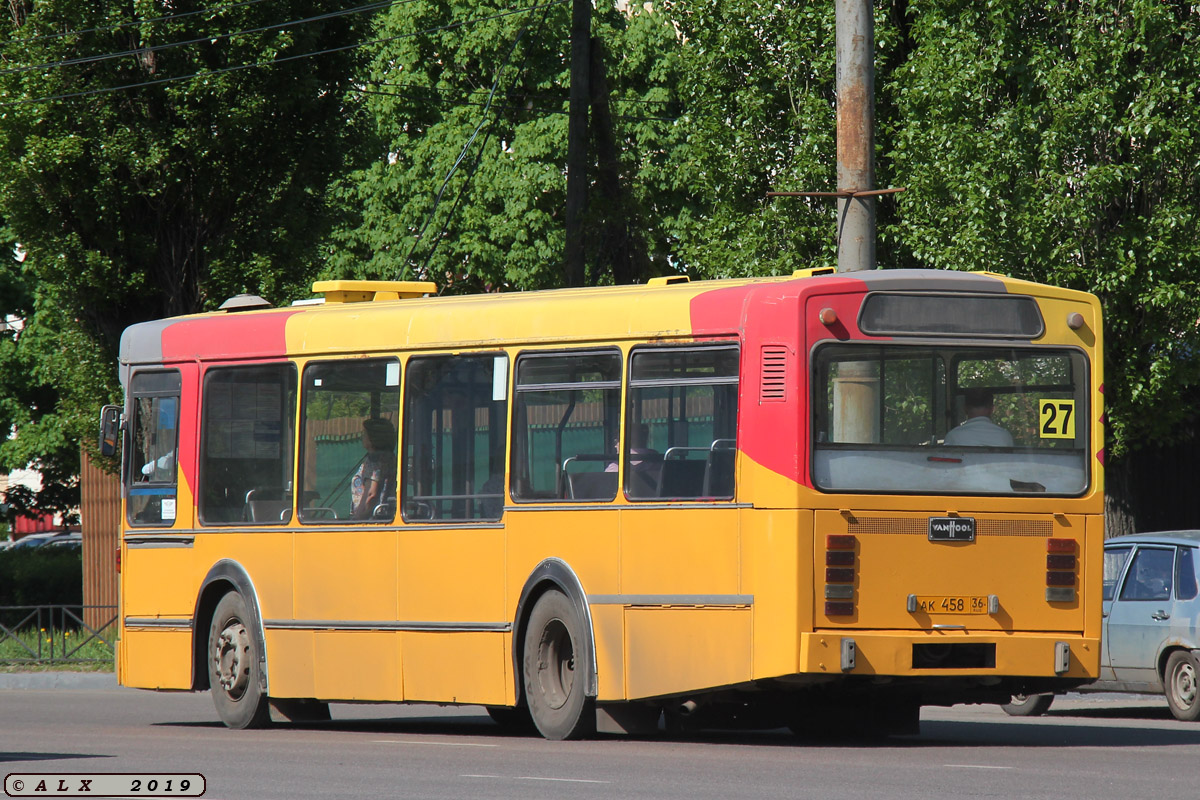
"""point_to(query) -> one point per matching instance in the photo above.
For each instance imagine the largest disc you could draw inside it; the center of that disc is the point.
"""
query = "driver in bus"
(375, 479)
(978, 429)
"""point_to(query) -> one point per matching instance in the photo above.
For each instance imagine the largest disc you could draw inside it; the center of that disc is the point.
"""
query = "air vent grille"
(774, 382)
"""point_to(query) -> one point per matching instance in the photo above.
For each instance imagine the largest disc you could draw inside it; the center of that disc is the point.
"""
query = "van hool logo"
(951, 529)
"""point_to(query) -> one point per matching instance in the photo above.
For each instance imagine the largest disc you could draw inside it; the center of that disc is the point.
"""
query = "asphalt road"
(1099, 747)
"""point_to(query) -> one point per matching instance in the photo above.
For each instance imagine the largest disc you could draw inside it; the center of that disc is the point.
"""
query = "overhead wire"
(138, 51)
(478, 159)
(133, 23)
(531, 109)
(279, 60)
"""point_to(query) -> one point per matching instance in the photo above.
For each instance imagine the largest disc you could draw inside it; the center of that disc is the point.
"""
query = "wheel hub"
(556, 664)
(1185, 684)
(231, 657)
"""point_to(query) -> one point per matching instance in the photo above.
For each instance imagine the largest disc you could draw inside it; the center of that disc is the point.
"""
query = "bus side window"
(349, 415)
(154, 440)
(248, 422)
(681, 423)
(454, 431)
(565, 426)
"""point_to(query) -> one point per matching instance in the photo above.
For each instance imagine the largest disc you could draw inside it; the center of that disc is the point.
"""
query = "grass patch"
(41, 649)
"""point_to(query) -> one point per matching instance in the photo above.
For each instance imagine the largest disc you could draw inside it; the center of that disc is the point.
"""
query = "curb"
(58, 680)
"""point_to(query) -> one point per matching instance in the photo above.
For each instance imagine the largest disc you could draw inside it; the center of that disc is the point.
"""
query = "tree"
(1065, 141)
(467, 185)
(152, 163)
(1048, 141)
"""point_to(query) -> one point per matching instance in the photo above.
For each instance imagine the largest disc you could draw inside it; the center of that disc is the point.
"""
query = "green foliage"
(468, 185)
(758, 89)
(1065, 138)
(134, 204)
(40, 576)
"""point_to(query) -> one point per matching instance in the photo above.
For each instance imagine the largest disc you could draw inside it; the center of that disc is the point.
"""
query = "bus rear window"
(950, 420)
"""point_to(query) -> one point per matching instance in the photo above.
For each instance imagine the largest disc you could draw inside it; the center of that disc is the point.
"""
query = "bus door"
(345, 549)
(452, 609)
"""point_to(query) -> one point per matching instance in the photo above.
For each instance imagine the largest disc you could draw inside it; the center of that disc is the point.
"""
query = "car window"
(1185, 574)
(1114, 562)
(1150, 573)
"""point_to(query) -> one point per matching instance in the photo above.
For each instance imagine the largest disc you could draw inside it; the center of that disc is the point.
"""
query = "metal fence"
(57, 634)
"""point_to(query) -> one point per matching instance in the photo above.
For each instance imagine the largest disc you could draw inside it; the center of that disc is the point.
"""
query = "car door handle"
(1160, 616)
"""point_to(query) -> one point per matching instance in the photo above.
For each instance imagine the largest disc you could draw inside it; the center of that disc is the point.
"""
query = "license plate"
(951, 604)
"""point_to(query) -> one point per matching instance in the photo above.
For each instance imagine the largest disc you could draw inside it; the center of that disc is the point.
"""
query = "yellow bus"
(763, 501)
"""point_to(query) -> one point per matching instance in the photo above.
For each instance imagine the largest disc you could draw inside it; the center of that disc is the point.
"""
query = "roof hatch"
(366, 291)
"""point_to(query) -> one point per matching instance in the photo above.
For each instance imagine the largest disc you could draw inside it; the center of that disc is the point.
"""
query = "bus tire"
(554, 677)
(1180, 681)
(234, 672)
(1028, 705)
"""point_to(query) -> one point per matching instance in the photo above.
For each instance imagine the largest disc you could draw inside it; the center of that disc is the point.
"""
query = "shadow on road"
(1052, 731)
(11, 757)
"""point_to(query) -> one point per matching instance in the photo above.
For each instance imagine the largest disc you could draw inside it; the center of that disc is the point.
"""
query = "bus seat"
(591, 485)
(268, 504)
(718, 474)
(682, 478)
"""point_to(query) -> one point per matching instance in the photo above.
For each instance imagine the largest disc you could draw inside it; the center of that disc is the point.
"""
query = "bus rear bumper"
(933, 653)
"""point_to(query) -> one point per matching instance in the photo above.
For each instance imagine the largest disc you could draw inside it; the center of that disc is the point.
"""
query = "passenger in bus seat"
(375, 479)
(978, 429)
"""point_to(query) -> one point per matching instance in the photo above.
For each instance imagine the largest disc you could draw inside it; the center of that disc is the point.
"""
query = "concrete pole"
(855, 133)
(856, 388)
(577, 135)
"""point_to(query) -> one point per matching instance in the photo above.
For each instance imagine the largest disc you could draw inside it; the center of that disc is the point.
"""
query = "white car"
(1150, 636)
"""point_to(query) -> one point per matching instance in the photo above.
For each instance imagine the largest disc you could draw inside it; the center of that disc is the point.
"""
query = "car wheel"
(1183, 693)
(1028, 705)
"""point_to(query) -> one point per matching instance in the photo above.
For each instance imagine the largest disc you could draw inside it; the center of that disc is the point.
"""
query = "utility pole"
(577, 135)
(855, 87)
(856, 388)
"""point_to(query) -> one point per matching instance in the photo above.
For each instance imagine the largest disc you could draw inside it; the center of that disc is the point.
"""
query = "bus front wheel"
(553, 674)
(233, 667)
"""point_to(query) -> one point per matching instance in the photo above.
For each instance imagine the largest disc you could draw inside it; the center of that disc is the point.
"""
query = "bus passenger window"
(248, 426)
(454, 413)
(349, 414)
(566, 417)
(154, 441)
(681, 429)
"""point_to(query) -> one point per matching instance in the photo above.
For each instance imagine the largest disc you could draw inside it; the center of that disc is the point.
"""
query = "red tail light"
(840, 541)
(1060, 562)
(118, 561)
(1060, 578)
(1060, 545)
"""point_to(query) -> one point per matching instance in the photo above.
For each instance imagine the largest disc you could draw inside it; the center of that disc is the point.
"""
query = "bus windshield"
(950, 420)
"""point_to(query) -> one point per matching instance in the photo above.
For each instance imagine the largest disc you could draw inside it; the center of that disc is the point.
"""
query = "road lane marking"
(973, 766)
(441, 744)
(533, 778)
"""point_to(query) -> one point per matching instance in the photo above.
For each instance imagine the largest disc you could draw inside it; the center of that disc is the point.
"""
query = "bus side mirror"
(110, 430)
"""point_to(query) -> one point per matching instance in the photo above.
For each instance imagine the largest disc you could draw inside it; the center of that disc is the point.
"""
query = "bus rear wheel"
(553, 675)
(234, 673)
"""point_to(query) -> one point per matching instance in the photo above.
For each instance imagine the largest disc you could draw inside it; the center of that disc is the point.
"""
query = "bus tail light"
(1061, 563)
(118, 561)
(840, 562)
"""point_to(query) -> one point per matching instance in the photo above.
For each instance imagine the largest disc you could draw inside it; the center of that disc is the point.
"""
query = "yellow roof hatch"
(366, 291)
